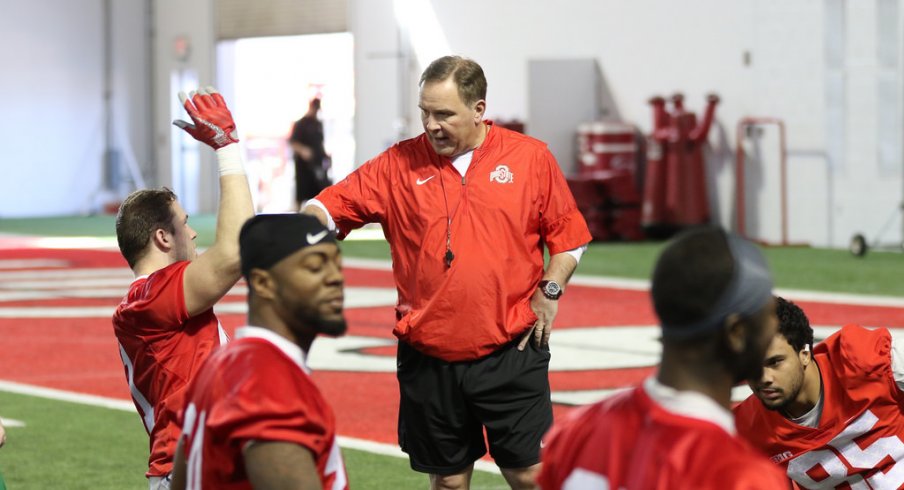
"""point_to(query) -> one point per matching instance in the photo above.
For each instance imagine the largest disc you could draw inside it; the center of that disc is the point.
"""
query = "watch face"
(552, 288)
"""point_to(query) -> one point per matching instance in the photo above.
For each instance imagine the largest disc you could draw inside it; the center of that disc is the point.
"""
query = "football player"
(254, 417)
(165, 325)
(712, 292)
(829, 416)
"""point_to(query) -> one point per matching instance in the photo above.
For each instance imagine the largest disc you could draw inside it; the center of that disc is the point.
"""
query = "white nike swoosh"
(422, 182)
(313, 239)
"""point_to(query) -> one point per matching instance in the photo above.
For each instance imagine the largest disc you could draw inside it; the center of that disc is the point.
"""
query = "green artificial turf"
(98, 226)
(816, 269)
(72, 446)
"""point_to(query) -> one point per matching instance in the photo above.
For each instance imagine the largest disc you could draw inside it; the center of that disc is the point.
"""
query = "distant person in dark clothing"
(311, 160)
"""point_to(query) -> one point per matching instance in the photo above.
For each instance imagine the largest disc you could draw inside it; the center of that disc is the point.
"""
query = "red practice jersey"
(161, 349)
(256, 389)
(512, 200)
(653, 438)
(858, 442)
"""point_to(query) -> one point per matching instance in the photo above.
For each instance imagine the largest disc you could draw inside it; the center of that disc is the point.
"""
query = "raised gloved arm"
(213, 124)
(210, 276)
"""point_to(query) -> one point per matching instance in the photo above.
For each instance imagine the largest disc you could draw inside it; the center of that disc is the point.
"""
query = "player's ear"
(805, 355)
(736, 333)
(480, 108)
(162, 240)
(261, 284)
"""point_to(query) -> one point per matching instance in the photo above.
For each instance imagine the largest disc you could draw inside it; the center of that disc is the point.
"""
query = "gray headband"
(749, 290)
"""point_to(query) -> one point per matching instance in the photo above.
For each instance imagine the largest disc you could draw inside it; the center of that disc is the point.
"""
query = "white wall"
(378, 116)
(647, 47)
(50, 106)
(52, 128)
(132, 87)
(193, 22)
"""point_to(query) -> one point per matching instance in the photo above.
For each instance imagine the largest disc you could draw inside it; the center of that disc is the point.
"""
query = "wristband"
(229, 160)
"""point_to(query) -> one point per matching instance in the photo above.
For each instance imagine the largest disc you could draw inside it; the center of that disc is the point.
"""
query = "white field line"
(66, 396)
(87, 242)
(32, 263)
(127, 406)
(355, 297)
(395, 451)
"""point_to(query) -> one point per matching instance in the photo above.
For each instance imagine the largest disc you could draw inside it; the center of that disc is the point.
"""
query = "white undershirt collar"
(288, 347)
(689, 404)
(463, 161)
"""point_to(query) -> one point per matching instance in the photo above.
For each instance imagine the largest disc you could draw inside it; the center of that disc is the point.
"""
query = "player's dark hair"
(690, 276)
(467, 75)
(793, 324)
(140, 215)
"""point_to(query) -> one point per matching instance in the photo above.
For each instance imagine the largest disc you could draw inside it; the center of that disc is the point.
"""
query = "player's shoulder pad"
(858, 352)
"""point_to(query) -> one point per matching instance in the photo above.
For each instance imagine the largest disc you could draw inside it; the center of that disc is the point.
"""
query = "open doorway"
(269, 82)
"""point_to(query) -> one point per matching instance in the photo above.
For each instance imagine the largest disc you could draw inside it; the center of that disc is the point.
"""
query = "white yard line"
(394, 451)
(11, 422)
(66, 396)
(31, 263)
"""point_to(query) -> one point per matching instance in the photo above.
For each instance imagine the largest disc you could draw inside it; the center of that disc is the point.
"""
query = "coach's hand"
(2, 435)
(546, 310)
(213, 124)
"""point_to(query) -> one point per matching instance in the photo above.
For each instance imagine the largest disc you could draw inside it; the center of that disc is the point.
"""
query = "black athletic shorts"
(445, 406)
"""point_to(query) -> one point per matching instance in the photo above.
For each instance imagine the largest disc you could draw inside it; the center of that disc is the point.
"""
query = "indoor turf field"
(56, 297)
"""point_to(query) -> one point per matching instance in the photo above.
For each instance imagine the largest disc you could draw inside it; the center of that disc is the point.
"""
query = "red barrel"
(606, 184)
(612, 147)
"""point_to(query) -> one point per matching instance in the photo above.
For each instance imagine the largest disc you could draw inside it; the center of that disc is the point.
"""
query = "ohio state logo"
(502, 175)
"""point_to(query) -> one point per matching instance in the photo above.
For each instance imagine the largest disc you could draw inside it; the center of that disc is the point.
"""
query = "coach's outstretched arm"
(209, 277)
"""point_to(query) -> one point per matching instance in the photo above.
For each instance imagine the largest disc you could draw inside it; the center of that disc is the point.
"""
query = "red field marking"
(836, 314)
(366, 404)
(32, 303)
(76, 354)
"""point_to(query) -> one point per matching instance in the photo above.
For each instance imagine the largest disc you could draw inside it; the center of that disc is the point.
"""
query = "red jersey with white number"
(162, 348)
(511, 201)
(860, 438)
(254, 390)
(632, 441)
